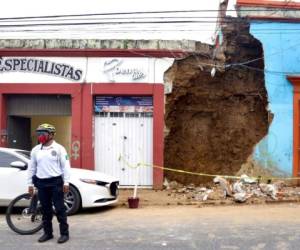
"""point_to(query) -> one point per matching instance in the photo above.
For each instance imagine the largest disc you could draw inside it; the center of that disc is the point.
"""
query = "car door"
(13, 181)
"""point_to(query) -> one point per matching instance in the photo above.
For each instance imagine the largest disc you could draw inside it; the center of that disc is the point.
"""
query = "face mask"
(43, 138)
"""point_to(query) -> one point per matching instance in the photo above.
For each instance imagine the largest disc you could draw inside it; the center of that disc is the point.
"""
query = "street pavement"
(172, 227)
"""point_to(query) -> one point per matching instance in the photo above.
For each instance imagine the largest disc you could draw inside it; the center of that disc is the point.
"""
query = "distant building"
(276, 25)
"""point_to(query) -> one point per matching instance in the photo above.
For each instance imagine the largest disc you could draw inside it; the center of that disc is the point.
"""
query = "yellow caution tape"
(203, 174)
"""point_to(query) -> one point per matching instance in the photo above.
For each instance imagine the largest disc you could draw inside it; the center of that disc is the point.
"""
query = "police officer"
(49, 171)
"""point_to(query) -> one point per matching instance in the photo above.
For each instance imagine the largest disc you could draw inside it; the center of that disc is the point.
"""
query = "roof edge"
(155, 53)
(267, 4)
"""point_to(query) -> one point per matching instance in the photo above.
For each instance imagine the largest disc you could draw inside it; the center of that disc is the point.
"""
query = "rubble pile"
(243, 189)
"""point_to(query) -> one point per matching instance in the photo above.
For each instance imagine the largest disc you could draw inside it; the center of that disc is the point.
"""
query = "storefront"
(107, 106)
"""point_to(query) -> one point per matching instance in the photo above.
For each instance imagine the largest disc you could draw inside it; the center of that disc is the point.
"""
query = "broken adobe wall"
(213, 123)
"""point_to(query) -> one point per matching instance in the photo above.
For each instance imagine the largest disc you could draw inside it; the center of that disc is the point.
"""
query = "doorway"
(26, 112)
(124, 139)
(19, 132)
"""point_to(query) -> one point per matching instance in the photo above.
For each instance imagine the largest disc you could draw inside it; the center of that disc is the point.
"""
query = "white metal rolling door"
(138, 149)
(129, 137)
(107, 150)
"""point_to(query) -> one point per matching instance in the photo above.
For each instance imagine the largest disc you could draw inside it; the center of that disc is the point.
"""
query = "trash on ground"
(224, 185)
(246, 179)
(268, 189)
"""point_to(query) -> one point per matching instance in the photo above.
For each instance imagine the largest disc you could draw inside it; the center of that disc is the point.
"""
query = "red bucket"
(133, 202)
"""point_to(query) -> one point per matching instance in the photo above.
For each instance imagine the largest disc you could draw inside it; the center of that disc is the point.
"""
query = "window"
(147, 114)
(133, 114)
(24, 153)
(116, 114)
(6, 159)
(103, 114)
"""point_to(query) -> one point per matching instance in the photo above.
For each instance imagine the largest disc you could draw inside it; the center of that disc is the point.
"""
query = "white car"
(87, 188)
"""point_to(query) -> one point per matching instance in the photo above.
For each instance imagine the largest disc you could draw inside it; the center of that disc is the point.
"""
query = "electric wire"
(274, 72)
(256, 59)
(202, 23)
(106, 23)
(133, 29)
(113, 18)
(145, 29)
(145, 12)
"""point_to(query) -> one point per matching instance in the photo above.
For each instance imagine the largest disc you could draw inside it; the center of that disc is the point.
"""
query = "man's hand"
(31, 190)
(66, 188)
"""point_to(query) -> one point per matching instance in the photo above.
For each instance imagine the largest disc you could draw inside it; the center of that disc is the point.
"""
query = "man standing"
(49, 171)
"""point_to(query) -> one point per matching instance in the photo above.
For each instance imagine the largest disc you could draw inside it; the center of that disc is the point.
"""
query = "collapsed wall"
(213, 123)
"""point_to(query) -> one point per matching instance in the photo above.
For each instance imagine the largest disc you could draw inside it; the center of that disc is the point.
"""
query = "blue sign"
(122, 103)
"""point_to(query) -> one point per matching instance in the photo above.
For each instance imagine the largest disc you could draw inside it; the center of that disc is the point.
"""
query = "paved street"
(174, 227)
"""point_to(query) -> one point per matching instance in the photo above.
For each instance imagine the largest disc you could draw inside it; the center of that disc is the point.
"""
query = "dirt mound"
(213, 123)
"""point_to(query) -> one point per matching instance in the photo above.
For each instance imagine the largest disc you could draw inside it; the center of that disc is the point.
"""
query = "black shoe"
(45, 237)
(63, 239)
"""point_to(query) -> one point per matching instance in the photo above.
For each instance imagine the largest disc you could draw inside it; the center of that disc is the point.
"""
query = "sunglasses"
(41, 132)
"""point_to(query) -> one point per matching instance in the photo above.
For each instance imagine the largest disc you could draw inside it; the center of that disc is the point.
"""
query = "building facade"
(107, 106)
(276, 25)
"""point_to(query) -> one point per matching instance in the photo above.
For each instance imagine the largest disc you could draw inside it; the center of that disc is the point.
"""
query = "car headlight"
(95, 182)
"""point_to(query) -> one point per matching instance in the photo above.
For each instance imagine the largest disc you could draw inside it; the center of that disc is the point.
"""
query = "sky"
(201, 31)
(199, 26)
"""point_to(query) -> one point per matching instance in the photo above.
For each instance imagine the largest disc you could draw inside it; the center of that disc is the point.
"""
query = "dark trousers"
(50, 191)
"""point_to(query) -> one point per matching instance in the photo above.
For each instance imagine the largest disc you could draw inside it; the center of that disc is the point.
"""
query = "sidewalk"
(149, 197)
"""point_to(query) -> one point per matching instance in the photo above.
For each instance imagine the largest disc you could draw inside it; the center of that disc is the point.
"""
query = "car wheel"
(72, 201)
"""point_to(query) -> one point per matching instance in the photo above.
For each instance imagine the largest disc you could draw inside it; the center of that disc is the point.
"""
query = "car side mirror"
(19, 164)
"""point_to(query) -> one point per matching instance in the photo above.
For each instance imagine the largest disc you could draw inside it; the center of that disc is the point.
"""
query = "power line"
(104, 23)
(161, 20)
(111, 13)
(114, 18)
(135, 27)
(143, 12)
(226, 19)
(142, 22)
(136, 30)
(239, 64)
(118, 22)
(127, 18)
(274, 72)
(112, 31)
(236, 65)
(154, 28)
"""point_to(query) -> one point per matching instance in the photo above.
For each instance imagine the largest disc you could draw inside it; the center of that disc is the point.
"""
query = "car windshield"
(24, 153)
